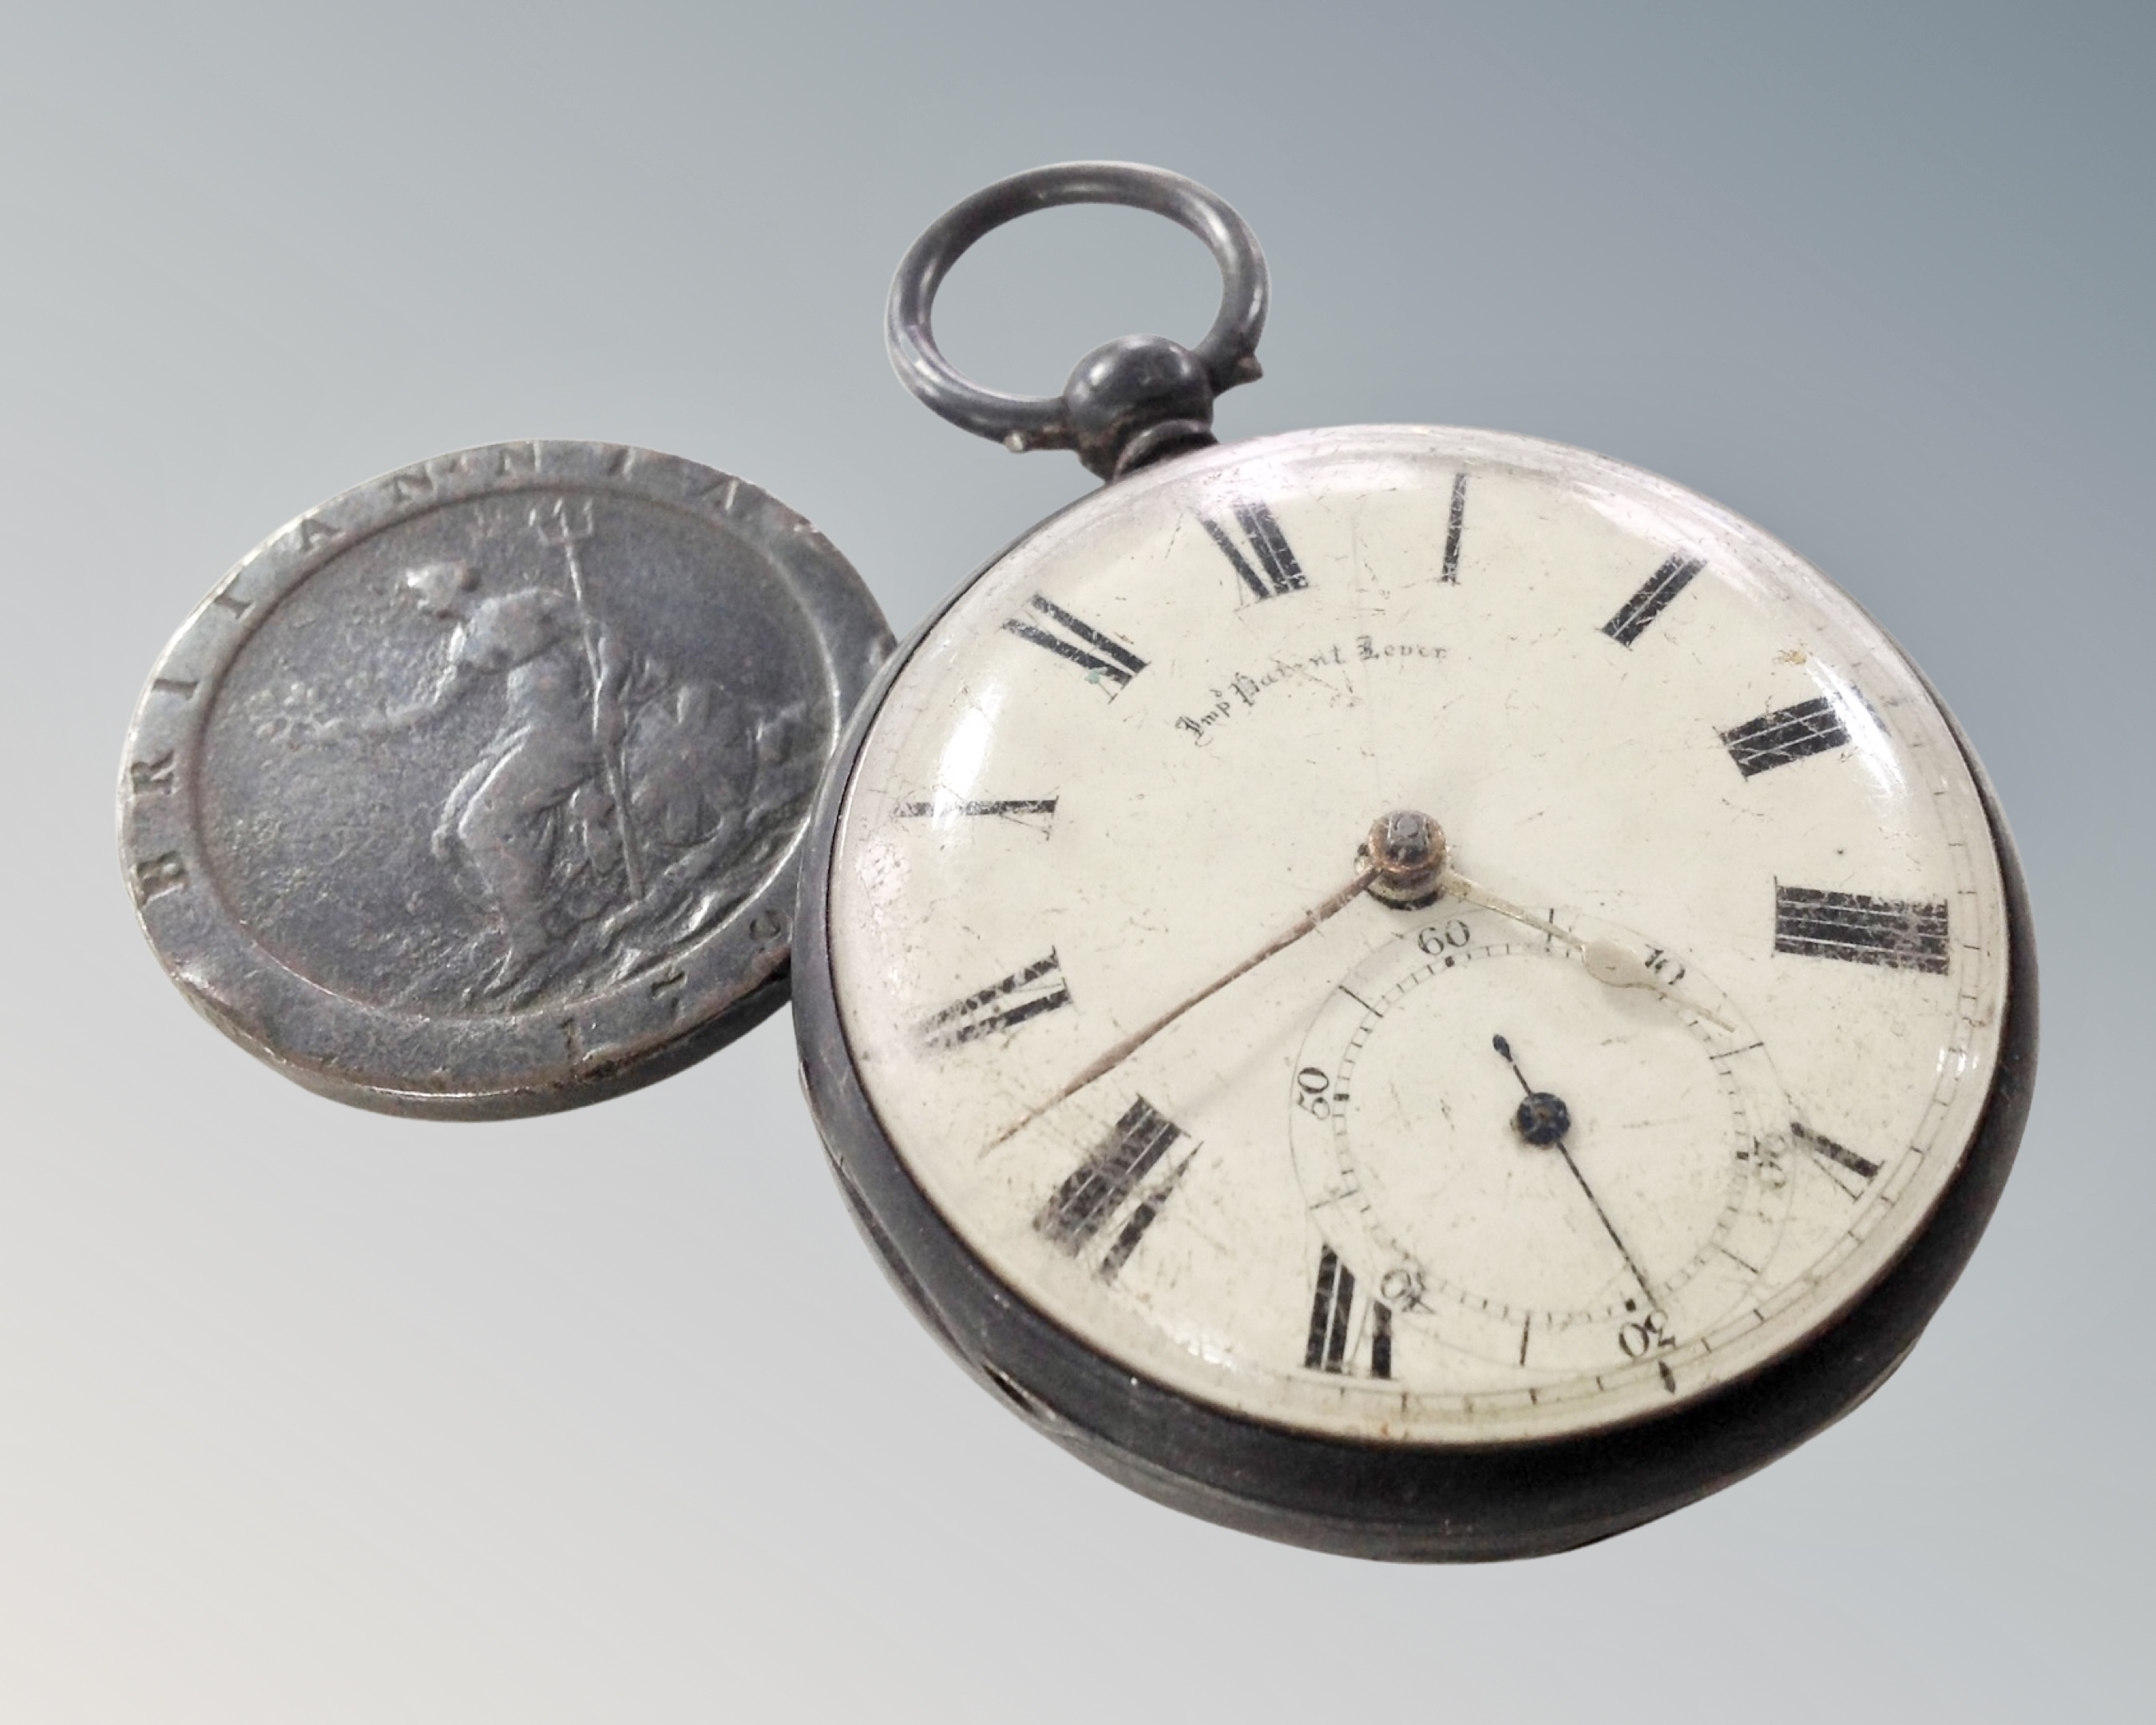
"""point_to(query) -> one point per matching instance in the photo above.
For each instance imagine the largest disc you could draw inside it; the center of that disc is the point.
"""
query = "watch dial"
(1679, 1056)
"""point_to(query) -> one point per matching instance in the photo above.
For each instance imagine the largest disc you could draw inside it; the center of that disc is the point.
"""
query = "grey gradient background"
(306, 1414)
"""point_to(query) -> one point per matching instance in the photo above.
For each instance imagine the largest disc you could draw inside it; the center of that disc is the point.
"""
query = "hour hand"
(1627, 963)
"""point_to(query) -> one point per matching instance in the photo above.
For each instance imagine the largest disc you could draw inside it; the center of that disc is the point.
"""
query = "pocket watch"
(1414, 991)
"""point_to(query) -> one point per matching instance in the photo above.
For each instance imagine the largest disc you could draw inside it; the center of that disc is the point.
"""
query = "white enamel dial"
(1699, 1021)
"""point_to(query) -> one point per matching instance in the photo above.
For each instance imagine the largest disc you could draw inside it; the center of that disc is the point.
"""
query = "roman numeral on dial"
(1090, 1198)
(1143, 1216)
(1810, 727)
(1001, 1006)
(1904, 934)
(1268, 545)
(1454, 523)
(1104, 659)
(1645, 606)
(1841, 1155)
(1027, 811)
(1334, 1345)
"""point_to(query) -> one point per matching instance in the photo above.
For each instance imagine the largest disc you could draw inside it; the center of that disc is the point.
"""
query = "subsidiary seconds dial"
(1611, 1209)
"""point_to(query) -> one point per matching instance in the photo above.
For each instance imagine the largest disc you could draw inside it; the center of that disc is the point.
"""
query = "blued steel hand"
(1543, 1120)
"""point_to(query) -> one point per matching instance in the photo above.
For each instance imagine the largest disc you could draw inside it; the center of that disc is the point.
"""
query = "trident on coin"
(567, 529)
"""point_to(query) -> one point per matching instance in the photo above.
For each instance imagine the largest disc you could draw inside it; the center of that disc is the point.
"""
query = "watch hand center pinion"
(1542, 1118)
(1407, 854)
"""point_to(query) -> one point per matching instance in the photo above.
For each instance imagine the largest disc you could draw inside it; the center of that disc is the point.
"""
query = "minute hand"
(1108, 1062)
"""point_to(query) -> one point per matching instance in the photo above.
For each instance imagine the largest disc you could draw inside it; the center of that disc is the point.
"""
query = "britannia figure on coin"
(532, 815)
(539, 790)
(608, 816)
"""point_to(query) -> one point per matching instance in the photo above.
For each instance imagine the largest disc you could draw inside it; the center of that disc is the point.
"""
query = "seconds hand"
(1543, 1120)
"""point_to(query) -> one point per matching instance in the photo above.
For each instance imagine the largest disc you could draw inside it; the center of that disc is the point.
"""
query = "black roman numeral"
(1282, 572)
(1142, 1217)
(1001, 1006)
(1789, 733)
(1863, 1167)
(1452, 527)
(1027, 811)
(1906, 934)
(1087, 1201)
(1333, 1322)
(1651, 600)
(1103, 658)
